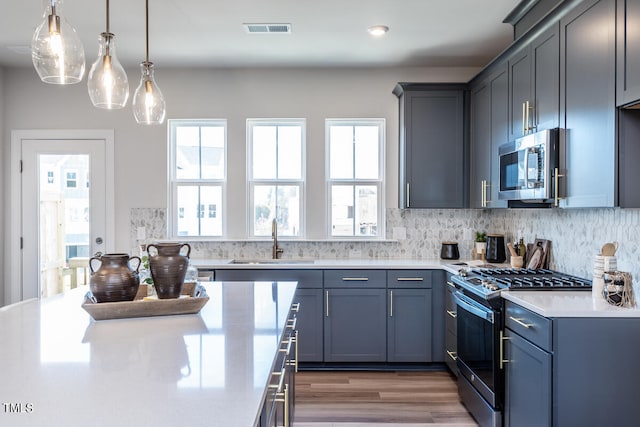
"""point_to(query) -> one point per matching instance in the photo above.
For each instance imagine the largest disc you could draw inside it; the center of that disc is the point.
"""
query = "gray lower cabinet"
(570, 371)
(451, 327)
(355, 317)
(410, 326)
(433, 145)
(528, 383)
(588, 88)
(355, 328)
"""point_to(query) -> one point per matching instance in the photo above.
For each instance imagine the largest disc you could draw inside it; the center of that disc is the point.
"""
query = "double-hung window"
(355, 177)
(197, 177)
(275, 170)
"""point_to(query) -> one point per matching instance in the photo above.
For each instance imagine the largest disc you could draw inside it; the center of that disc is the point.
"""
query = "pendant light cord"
(108, 17)
(147, 25)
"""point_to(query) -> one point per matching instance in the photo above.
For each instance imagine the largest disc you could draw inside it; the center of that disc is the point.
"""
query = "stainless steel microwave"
(529, 166)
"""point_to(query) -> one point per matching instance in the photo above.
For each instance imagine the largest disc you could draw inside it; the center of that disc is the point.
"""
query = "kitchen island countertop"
(61, 368)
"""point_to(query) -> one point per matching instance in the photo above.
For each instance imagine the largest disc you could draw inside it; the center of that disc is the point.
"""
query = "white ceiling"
(329, 33)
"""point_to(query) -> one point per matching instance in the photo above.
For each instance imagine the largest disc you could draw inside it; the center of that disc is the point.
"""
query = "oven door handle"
(473, 307)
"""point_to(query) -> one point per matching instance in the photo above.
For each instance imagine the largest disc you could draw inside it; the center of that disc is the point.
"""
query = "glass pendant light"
(148, 102)
(107, 82)
(56, 50)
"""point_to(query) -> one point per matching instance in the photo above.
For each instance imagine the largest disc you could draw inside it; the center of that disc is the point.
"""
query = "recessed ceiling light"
(378, 30)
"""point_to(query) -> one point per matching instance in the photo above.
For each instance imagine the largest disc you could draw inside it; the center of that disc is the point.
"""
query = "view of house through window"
(355, 165)
(197, 177)
(276, 175)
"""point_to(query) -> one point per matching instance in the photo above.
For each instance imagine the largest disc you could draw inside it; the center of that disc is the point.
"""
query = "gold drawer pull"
(410, 279)
(453, 355)
(355, 279)
(520, 322)
(295, 307)
(292, 323)
(452, 313)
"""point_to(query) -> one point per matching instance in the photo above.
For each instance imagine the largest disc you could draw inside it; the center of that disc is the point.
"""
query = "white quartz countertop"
(568, 304)
(61, 368)
(315, 264)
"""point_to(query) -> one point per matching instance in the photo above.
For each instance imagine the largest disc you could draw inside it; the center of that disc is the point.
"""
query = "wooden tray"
(193, 298)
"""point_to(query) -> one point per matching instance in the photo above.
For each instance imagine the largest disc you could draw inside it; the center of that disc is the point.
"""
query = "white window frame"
(172, 211)
(251, 182)
(379, 183)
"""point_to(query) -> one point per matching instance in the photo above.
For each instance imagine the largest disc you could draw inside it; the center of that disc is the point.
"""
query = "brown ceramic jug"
(114, 280)
(168, 268)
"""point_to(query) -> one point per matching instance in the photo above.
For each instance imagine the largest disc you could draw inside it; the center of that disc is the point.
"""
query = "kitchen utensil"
(609, 249)
(512, 250)
(516, 261)
(449, 250)
(495, 249)
(536, 258)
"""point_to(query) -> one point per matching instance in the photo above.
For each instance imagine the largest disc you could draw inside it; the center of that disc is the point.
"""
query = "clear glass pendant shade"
(107, 81)
(148, 101)
(56, 50)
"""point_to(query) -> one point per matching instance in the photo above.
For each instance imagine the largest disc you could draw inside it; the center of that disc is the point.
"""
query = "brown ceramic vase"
(168, 268)
(114, 280)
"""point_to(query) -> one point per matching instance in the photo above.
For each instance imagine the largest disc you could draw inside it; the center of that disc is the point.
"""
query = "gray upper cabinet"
(489, 130)
(628, 57)
(588, 78)
(433, 146)
(534, 84)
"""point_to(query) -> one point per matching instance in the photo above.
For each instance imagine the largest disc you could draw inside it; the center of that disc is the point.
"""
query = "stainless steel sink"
(271, 261)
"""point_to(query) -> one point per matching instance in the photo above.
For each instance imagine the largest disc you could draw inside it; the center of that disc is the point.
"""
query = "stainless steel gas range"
(480, 328)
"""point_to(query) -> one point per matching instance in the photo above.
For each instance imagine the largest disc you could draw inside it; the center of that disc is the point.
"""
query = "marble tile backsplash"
(576, 235)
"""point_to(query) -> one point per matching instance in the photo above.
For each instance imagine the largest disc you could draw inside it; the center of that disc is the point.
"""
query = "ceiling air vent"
(268, 28)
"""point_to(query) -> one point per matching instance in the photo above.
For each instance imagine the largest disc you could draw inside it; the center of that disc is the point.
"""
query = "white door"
(65, 209)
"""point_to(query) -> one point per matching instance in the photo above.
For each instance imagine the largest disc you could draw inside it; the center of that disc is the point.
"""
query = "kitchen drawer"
(529, 325)
(409, 278)
(355, 278)
(307, 279)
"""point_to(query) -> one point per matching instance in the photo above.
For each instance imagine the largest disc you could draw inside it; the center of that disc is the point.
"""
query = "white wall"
(234, 94)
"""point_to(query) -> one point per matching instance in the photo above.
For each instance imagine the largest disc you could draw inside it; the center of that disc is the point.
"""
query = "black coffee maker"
(495, 249)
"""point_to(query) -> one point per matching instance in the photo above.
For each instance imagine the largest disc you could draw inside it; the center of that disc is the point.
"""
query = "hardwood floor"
(384, 399)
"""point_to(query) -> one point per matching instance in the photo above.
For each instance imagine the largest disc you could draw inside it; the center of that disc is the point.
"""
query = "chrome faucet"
(274, 235)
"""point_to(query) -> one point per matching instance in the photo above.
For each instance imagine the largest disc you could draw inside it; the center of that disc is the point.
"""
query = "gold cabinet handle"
(451, 284)
(524, 115)
(452, 313)
(484, 199)
(283, 397)
(520, 322)
(355, 279)
(295, 307)
(453, 355)
(282, 375)
(297, 338)
(326, 303)
(556, 178)
(408, 198)
(502, 340)
(410, 279)
(390, 303)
